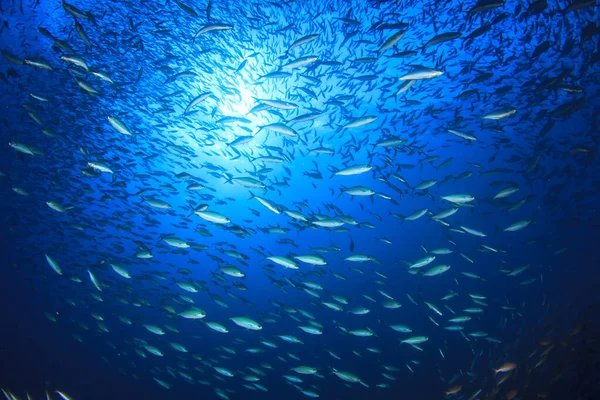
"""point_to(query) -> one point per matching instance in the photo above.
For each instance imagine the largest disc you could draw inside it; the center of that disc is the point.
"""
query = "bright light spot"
(238, 105)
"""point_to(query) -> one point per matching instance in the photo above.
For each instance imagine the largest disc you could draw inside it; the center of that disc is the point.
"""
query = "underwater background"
(268, 200)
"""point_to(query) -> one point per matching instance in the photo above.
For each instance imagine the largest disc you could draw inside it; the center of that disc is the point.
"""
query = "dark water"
(201, 147)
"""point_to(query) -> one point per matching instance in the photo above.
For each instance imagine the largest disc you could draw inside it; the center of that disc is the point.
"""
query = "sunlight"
(238, 106)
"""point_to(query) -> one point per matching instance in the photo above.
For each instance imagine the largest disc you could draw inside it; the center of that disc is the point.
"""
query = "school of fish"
(257, 193)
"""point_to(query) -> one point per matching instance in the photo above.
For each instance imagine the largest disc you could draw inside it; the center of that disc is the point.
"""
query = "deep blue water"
(106, 158)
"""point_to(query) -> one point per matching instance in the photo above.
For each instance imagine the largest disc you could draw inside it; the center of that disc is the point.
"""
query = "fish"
(246, 323)
(213, 216)
(421, 73)
(415, 340)
(302, 41)
(391, 41)
(360, 122)
(517, 226)
(353, 170)
(94, 280)
(300, 62)
(193, 313)
(506, 367)
(463, 135)
(116, 123)
(214, 27)
(121, 271)
(500, 113)
(438, 270)
(53, 264)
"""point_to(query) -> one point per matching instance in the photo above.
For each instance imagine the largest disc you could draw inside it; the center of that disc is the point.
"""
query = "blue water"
(517, 83)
